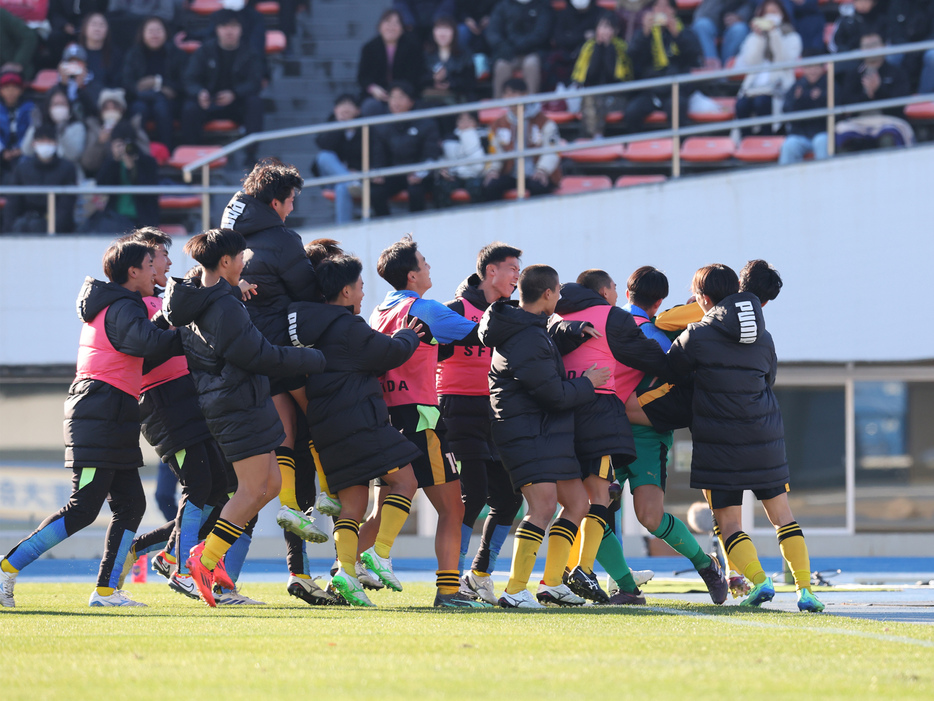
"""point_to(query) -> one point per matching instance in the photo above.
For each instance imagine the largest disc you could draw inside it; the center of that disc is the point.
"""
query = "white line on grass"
(774, 626)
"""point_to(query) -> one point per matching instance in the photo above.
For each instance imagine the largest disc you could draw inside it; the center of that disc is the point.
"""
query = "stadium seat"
(657, 117)
(45, 80)
(688, 4)
(220, 125)
(707, 149)
(267, 8)
(205, 7)
(726, 114)
(608, 5)
(275, 41)
(461, 196)
(328, 194)
(575, 184)
(174, 229)
(179, 201)
(561, 117)
(183, 155)
(596, 153)
(488, 116)
(651, 151)
(160, 152)
(189, 46)
(513, 195)
(630, 180)
(920, 112)
(614, 117)
(731, 63)
(760, 149)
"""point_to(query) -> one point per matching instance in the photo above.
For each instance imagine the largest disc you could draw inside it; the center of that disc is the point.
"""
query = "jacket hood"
(309, 320)
(576, 297)
(186, 300)
(247, 215)
(738, 317)
(470, 290)
(95, 296)
(502, 321)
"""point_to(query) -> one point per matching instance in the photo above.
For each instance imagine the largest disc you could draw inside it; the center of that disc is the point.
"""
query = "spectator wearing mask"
(28, 213)
(70, 132)
(392, 55)
(773, 39)
(519, 33)
(574, 25)
(128, 165)
(449, 69)
(17, 44)
(726, 20)
(602, 60)
(909, 21)
(112, 111)
(662, 47)
(807, 136)
(152, 78)
(465, 144)
(401, 143)
(341, 152)
(15, 117)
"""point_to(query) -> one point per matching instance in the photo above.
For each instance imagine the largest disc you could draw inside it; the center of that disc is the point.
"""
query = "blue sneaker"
(808, 602)
(760, 594)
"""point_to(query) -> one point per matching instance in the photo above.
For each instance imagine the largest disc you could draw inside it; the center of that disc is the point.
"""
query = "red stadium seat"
(329, 195)
(179, 201)
(183, 155)
(731, 63)
(461, 196)
(267, 8)
(657, 117)
(513, 195)
(688, 4)
(575, 184)
(727, 113)
(630, 180)
(760, 149)
(608, 5)
(707, 149)
(614, 117)
(45, 80)
(920, 112)
(220, 125)
(275, 41)
(651, 151)
(595, 153)
(160, 152)
(173, 229)
(189, 46)
(205, 7)
(488, 116)
(561, 117)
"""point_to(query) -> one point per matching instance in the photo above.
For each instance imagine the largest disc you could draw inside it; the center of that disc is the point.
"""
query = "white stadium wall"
(853, 239)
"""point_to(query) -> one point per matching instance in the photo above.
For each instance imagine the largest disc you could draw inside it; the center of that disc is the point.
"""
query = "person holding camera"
(127, 165)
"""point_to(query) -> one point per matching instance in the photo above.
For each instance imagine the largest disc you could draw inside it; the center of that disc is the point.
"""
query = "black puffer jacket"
(601, 427)
(101, 421)
(531, 399)
(229, 359)
(739, 438)
(517, 29)
(170, 417)
(347, 417)
(274, 261)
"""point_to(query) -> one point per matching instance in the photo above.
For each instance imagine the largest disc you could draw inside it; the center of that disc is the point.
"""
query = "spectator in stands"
(400, 143)
(152, 78)
(574, 25)
(808, 20)
(856, 19)
(519, 32)
(251, 21)
(127, 15)
(341, 152)
(910, 21)
(104, 60)
(419, 16)
(449, 70)
(465, 144)
(223, 81)
(602, 60)
(126, 164)
(727, 20)
(17, 45)
(543, 173)
(392, 55)
(806, 136)
(101, 126)
(70, 133)
(662, 47)
(74, 77)
(474, 17)
(773, 39)
(65, 17)
(27, 213)
(15, 117)
(873, 79)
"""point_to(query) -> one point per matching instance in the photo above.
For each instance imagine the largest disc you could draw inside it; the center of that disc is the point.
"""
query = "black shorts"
(281, 385)
(669, 407)
(601, 467)
(722, 498)
(436, 465)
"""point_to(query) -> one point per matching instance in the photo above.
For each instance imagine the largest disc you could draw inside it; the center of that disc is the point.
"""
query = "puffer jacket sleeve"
(681, 358)
(376, 352)
(131, 332)
(568, 335)
(298, 274)
(533, 365)
(633, 348)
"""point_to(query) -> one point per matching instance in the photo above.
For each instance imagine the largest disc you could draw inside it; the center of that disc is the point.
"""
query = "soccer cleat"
(382, 568)
(328, 505)
(127, 565)
(739, 587)
(232, 597)
(308, 591)
(118, 598)
(560, 595)
(184, 584)
(300, 524)
(520, 600)
(715, 580)
(481, 586)
(625, 598)
(808, 602)
(351, 589)
(336, 595)
(586, 586)
(7, 581)
(162, 565)
(367, 578)
(459, 600)
(642, 576)
(221, 577)
(203, 578)
(760, 594)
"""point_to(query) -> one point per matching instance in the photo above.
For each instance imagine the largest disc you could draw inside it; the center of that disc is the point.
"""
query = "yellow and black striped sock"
(743, 555)
(222, 536)
(529, 539)
(592, 530)
(560, 539)
(394, 512)
(319, 469)
(286, 459)
(795, 551)
(575, 555)
(447, 581)
(346, 537)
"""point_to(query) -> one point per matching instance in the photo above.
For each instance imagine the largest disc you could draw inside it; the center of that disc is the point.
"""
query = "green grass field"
(54, 646)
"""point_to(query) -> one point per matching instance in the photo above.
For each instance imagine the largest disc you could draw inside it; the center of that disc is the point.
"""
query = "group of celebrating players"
(254, 374)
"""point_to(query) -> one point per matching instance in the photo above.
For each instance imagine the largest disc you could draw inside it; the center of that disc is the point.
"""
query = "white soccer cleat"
(351, 590)
(328, 505)
(521, 600)
(184, 584)
(382, 568)
(481, 586)
(642, 576)
(308, 591)
(560, 595)
(300, 524)
(7, 581)
(368, 579)
(234, 598)
(118, 598)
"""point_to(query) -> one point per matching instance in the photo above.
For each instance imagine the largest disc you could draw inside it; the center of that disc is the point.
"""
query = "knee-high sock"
(743, 555)
(575, 555)
(346, 535)
(529, 538)
(673, 531)
(560, 539)
(319, 470)
(611, 558)
(795, 552)
(286, 459)
(222, 536)
(592, 530)
(394, 512)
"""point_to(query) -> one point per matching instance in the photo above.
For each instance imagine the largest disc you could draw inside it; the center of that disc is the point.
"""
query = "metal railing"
(365, 124)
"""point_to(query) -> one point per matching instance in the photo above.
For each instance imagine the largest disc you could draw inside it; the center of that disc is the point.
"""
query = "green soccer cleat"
(760, 594)
(328, 505)
(351, 589)
(301, 524)
(808, 602)
(459, 600)
(382, 568)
